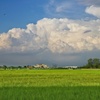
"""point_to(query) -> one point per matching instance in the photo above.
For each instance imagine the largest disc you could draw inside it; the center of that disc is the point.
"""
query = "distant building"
(40, 66)
(71, 67)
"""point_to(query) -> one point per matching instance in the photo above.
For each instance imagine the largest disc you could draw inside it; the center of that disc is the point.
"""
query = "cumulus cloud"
(54, 35)
(94, 10)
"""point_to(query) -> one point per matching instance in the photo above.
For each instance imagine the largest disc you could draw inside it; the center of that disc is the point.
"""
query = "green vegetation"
(58, 84)
(50, 93)
(93, 63)
(27, 78)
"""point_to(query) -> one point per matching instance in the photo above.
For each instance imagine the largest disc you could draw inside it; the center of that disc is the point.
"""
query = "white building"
(41, 66)
(71, 67)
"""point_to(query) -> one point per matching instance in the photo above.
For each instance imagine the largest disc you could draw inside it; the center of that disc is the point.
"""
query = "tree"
(19, 67)
(5, 67)
(93, 63)
(96, 62)
(90, 63)
(25, 67)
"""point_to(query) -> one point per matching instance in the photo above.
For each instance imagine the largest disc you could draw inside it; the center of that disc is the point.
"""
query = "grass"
(49, 84)
(50, 93)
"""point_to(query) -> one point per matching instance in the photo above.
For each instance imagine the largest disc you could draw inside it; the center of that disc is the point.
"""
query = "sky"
(61, 32)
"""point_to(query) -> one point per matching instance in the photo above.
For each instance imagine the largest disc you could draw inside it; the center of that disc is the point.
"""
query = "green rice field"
(47, 84)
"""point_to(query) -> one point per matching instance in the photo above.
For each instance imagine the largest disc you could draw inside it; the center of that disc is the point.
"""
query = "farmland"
(49, 84)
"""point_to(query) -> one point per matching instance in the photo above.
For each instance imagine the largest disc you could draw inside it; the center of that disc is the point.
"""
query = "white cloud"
(62, 7)
(58, 8)
(4, 41)
(55, 35)
(95, 11)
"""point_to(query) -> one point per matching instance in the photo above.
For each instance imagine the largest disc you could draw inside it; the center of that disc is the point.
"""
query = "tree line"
(16, 67)
(92, 63)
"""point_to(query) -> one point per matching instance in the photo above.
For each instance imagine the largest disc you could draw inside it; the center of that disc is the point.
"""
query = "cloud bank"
(55, 35)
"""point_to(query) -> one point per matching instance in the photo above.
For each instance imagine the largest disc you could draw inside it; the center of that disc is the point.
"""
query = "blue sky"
(31, 30)
(18, 13)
